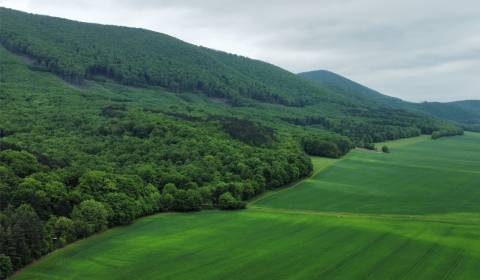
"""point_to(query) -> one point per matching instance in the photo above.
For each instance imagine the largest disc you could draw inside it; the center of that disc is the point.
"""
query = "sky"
(417, 50)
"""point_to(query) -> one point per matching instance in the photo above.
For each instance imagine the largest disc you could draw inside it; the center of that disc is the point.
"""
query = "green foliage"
(385, 149)
(227, 202)
(249, 132)
(6, 267)
(166, 202)
(22, 235)
(187, 200)
(21, 163)
(62, 231)
(369, 146)
(447, 132)
(123, 208)
(97, 184)
(472, 127)
(90, 216)
(367, 125)
(169, 188)
(332, 146)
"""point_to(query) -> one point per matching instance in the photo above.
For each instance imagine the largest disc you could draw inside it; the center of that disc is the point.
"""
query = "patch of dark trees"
(326, 146)
(250, 132)
(447, 132)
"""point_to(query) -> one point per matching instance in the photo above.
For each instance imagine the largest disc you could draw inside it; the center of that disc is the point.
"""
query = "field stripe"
(357, 253)
(419, 166)
(453, 268)
(441, 220)
(420, 261)
(387, 258)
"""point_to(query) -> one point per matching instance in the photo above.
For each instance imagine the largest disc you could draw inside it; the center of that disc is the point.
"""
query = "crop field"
(416, 178)
(410, 214)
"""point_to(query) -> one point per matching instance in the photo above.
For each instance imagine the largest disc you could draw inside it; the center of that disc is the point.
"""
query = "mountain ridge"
(184, 66)
(465, 112)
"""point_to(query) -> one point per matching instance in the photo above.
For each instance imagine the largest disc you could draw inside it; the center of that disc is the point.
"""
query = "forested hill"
(138, 57)
(349, 88)
(465, 112)
(79, 52)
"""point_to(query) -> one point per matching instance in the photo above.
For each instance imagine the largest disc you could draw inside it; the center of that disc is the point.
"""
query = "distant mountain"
(467, 111)
(464, 112)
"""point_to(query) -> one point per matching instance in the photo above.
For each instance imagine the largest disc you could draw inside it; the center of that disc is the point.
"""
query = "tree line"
(447, 132)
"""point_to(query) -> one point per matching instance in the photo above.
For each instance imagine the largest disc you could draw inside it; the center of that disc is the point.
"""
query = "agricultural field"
(418, 177)
(411, 214)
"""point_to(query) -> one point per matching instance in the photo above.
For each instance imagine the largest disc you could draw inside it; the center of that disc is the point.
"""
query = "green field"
(418, 177)
(410, 214)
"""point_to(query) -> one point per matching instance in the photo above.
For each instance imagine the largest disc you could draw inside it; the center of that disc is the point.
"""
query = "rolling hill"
(465, 112)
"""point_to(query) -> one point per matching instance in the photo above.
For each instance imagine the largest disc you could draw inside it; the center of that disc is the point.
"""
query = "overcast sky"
(417, 50)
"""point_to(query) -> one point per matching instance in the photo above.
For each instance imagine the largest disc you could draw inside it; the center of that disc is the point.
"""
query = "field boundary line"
(343, 262)
(444, 220)
(456, 263)
(419, 261)
(387, 257)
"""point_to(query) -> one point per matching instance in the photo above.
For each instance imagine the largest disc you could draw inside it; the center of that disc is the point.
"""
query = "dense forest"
(100, 125)
(447, 132)
(78, 51)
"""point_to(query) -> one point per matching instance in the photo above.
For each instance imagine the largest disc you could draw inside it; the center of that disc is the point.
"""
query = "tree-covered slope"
(78, 51)
(348, 87)
(464, 112)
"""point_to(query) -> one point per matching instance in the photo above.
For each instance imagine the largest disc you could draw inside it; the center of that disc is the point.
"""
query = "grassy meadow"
(410, 214)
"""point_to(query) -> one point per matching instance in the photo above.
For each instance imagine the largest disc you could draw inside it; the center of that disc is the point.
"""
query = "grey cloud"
(416, 50)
